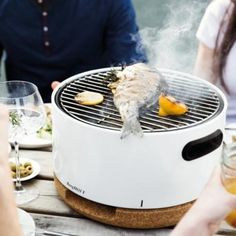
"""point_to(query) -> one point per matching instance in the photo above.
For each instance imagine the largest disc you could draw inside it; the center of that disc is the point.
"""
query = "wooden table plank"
(86, 227)
(82, 227)
(49, 202)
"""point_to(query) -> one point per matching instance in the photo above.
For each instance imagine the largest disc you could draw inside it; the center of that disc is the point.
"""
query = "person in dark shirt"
(51, 40)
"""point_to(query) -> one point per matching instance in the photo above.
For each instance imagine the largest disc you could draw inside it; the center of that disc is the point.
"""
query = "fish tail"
(129, 114)
(131, 127)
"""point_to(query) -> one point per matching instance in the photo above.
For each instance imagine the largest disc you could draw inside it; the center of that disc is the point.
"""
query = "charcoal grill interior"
(204, 103)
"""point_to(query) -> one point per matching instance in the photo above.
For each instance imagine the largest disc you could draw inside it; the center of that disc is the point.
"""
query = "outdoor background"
(168, 30)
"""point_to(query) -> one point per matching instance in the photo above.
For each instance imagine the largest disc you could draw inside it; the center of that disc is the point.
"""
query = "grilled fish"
(137, 88)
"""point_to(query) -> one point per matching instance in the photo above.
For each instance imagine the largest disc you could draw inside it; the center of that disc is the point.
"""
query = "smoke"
(174, 45)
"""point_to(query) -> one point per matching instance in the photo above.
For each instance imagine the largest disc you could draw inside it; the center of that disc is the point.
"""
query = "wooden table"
(51, 213)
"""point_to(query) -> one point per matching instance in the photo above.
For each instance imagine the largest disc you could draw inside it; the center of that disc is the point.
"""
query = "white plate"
(26, 222)
(32, 141)
(35, 166)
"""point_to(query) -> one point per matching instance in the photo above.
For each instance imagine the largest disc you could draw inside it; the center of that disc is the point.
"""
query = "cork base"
(122, 217)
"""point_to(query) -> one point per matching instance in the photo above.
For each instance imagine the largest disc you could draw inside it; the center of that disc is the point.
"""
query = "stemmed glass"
(26, 115)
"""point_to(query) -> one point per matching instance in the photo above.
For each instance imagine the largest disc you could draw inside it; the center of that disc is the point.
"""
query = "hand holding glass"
(26, 115)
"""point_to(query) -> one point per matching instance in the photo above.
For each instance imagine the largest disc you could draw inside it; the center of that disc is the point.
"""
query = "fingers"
(54, 84)
(215, 193)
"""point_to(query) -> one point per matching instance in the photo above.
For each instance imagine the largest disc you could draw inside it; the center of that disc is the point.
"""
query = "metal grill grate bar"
(201, 109)
(108, 110)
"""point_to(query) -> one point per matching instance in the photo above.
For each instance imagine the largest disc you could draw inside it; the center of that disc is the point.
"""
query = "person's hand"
(54, 84)
(212, 206)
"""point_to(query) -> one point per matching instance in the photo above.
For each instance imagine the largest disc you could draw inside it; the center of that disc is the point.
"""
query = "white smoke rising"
(174, 45)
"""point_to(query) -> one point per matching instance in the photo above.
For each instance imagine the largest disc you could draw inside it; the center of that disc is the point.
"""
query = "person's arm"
(204, 63)
(122, 39)
(9, 222)
(212, 206)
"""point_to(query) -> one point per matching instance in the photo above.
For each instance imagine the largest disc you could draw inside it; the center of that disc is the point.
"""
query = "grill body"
(150, 172)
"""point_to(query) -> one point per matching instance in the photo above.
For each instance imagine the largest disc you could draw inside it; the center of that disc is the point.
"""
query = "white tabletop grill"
(168, 166)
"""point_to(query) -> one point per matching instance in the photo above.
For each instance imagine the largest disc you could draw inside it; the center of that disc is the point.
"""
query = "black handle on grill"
(200, 147)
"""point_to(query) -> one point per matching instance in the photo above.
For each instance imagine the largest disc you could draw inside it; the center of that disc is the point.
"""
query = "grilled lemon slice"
(89, 98)
(170, 106)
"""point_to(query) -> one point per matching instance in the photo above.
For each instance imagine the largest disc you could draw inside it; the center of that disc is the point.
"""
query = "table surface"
(51, 213)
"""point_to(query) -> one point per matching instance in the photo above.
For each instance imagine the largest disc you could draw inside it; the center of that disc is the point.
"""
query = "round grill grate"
(203, 101)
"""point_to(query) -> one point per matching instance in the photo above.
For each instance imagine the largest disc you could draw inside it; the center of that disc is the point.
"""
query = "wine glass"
(228, 175)
(26, 115)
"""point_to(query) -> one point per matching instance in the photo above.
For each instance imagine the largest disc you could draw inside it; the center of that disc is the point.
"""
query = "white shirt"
(207, 34)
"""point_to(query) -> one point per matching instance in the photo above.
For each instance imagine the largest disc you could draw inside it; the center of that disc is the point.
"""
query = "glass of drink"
(228, 166)
(26, 115)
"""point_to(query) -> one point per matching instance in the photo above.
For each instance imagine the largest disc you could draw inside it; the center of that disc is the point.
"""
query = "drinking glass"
(26, 115)
(228, 175)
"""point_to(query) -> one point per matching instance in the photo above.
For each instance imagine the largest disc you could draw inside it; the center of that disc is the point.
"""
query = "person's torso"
(69, 29)
(74, 38)
(230, 81)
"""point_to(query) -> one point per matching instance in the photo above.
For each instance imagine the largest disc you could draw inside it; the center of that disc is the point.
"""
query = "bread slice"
(89, 98)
